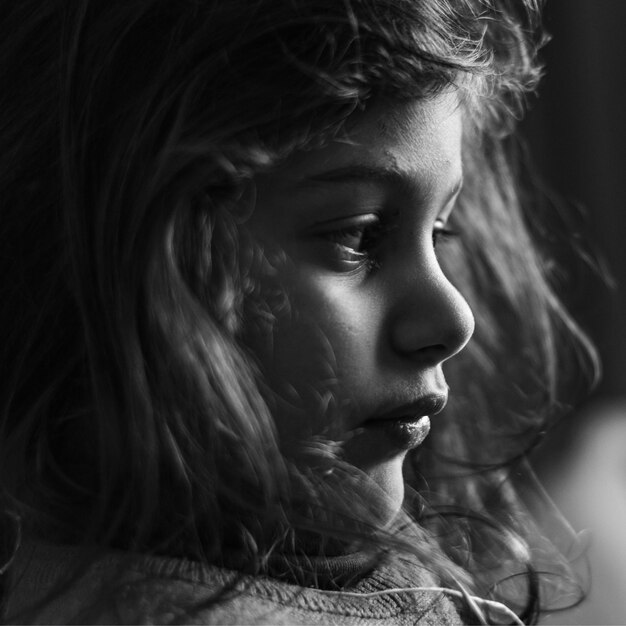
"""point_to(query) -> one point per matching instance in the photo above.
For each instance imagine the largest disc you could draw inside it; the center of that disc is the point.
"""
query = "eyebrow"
(360, 173)
(387, 175)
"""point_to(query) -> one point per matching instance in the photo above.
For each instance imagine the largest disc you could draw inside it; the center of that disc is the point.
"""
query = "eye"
(354, 240)
(358, 236)
(442, 233)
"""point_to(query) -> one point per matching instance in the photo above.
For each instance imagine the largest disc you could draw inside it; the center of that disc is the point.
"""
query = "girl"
(240, 239)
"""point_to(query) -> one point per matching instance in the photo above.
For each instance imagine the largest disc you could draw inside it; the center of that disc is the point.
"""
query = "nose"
(431, 321)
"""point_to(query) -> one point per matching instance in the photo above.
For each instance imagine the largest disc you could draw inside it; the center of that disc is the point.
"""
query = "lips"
(407, 425)
(426, 405)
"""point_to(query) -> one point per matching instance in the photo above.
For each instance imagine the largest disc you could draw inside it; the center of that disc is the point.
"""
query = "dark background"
(577, 136)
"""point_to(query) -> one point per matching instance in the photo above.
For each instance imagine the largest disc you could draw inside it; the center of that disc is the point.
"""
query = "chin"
(387, 475)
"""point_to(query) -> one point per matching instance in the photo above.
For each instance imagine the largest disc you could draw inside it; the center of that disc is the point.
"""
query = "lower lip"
(405, 433)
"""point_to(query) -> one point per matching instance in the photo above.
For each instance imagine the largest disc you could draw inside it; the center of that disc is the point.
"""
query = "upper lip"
(430, 404)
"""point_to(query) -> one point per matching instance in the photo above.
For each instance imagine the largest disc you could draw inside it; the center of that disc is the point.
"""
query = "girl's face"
(362, 315)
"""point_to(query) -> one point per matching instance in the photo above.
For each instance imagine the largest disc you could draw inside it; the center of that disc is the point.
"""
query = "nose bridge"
(431, 318)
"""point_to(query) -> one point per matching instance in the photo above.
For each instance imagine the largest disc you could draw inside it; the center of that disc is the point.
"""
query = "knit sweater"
(117, 587)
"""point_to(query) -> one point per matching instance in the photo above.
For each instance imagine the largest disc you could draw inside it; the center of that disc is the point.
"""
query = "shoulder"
(54, 584)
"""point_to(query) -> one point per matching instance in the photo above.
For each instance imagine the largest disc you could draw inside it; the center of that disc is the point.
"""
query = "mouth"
(408, 425)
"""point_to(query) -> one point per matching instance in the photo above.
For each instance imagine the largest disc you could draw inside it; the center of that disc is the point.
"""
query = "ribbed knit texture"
(118, 587)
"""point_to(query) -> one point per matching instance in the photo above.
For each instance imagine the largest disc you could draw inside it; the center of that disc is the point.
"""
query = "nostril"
(431, 355)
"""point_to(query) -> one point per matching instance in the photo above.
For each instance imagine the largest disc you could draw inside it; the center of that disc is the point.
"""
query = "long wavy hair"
(130, 133)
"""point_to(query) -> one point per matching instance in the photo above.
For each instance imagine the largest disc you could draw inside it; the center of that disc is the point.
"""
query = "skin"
(367, 317)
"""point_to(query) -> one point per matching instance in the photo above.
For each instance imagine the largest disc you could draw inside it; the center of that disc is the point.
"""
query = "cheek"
(315, 355)
(330, 333)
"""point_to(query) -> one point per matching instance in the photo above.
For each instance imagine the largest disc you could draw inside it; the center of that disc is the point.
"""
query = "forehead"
(413, 140)
(420, 131)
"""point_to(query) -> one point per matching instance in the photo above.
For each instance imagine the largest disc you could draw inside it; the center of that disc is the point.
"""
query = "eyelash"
(442, 234)
(368, 236)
